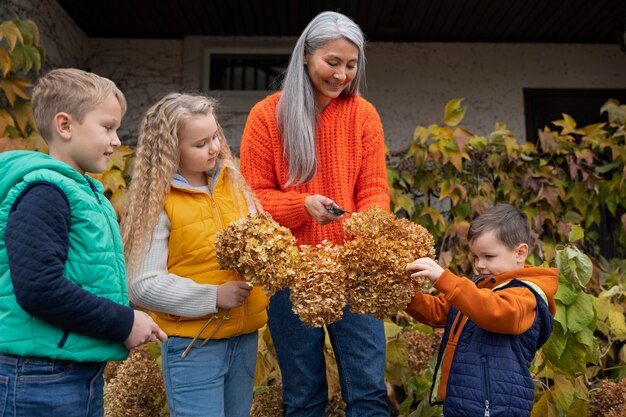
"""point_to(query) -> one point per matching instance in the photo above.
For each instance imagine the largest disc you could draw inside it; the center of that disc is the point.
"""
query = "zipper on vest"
(94, 190)
(485, 378)
(66, 334)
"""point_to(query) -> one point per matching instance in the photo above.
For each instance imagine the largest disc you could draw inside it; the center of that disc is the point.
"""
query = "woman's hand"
(232, 294)
(316, 206)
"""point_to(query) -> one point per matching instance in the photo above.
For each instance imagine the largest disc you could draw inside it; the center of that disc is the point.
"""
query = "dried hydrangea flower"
(377, 250)
(268, 403)
(318, 291)
(261, 250)
(136, 389)
(421, 347)
(610, 399)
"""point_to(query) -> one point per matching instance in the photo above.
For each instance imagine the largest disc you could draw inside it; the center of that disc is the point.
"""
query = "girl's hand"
(232, 294)
(316, 206)
(425, 267)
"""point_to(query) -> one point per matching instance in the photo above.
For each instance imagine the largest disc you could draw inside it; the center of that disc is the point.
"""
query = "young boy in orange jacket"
(494, 323)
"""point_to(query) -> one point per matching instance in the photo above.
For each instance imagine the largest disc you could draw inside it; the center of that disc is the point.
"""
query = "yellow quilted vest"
(196, 217)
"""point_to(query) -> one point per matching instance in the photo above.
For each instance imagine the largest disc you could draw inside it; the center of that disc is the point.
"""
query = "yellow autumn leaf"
(618, 324)
(23, 115)
(5, 120)
(120, 156)
(15, 86)
(569, 125)
(35, 142)
(5, 62)
(118, 199)
(111, 179)
(10, 32)
(11, 144)
(454, 113)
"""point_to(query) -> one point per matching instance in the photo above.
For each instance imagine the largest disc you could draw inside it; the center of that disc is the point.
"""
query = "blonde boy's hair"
(72, 91)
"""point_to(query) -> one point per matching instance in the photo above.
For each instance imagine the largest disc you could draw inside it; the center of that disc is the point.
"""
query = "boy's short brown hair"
(72, 91)
(510, 224)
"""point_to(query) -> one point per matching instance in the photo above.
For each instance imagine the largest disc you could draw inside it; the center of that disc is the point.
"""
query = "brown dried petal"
(375, 261)
(261, 250)
(318, 292)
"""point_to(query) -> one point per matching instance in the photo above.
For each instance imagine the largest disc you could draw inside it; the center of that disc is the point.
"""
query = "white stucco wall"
(64, 43)
(410, 83)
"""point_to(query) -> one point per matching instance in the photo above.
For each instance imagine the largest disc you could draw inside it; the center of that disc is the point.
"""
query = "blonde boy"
(63, 303)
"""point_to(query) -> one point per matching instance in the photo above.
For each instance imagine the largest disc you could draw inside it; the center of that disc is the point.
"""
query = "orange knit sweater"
(350, 165)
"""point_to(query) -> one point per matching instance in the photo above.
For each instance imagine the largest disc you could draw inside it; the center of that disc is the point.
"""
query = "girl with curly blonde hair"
(184, 189)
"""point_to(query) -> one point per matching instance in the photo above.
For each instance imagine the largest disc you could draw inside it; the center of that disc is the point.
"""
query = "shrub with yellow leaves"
(377, 250)
(261, 250)
(318, 291)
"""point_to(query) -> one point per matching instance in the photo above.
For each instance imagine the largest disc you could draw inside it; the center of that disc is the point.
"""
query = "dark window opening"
(247, 72)
(542, 106)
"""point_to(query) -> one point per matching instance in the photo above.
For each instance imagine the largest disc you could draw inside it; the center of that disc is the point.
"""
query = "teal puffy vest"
(95, 260)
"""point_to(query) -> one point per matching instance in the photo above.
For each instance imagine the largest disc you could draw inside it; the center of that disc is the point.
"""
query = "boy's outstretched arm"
(37, 240)
(509, 311)
(427, 308)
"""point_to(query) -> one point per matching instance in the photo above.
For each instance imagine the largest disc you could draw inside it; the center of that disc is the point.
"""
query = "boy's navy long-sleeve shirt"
(37, 241)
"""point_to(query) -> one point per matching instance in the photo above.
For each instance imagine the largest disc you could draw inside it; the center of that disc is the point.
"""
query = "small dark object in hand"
(336, 210)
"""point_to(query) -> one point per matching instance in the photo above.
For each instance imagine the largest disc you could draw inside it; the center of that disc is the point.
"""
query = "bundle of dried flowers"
(261, 250)
(137, 388)
(318, 291)
(377, 250)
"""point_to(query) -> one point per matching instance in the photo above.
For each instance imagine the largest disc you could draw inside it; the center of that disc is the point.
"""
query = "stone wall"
(63, 41)
(145, 70)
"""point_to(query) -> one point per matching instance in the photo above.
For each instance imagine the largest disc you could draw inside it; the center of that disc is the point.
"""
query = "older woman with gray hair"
(313, 146)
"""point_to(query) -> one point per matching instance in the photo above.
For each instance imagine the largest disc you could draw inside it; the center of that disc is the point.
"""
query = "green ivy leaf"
(576, 233)
(566, 294)
(574, 266)
(560, 317)
(573, 359)
(563, 392)
(580, 313)
(555, 346)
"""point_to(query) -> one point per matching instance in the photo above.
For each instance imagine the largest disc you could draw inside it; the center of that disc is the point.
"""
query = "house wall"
(145, 70)
(409, 83)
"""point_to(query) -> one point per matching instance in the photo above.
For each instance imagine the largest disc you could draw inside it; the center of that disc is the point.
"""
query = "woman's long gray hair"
(296, 113)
